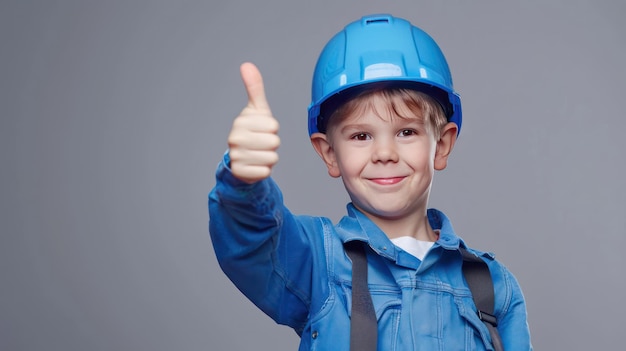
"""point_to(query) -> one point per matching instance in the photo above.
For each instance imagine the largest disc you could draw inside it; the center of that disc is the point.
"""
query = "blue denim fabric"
(294, 268)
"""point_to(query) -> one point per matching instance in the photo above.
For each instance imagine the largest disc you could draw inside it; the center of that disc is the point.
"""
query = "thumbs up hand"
(253, 139)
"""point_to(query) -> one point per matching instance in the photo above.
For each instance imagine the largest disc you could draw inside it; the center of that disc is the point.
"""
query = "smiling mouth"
(387, 181)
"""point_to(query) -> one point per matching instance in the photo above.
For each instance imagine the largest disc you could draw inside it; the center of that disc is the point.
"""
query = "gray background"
(114, 115)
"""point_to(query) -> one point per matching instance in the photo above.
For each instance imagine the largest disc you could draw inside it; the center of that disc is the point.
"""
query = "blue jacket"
(295, 269)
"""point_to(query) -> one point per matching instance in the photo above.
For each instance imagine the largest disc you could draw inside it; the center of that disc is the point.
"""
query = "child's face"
(386, 162)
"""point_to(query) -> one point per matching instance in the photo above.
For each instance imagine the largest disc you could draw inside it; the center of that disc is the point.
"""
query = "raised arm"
(260, 245)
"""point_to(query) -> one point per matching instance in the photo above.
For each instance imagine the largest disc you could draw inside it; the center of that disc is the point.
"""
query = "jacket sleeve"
(512, 320)
(261, 246)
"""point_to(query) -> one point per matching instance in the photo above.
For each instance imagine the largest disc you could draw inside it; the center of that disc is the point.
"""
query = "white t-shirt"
(417, 248)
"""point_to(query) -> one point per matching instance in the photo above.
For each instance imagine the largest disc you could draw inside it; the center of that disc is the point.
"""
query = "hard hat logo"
(374, 50)
(380, 70)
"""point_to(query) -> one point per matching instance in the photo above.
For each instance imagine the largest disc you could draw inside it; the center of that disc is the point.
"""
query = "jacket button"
(314, 334)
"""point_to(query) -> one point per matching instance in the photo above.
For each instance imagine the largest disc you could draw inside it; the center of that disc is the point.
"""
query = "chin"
(386, 213)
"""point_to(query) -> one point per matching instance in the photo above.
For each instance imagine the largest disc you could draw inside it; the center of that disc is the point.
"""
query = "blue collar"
(357, 226)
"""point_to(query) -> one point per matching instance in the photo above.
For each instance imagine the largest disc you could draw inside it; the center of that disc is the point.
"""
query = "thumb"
(253, 82)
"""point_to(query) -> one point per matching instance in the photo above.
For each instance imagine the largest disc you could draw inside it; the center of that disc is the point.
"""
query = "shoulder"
(510, 304)
(499, 272)
(506, 288)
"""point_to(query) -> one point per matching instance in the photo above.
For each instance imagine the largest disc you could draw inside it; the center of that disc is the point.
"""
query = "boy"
(383, 118)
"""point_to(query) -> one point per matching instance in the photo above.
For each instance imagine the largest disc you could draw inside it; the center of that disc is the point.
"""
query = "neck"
(415, 226)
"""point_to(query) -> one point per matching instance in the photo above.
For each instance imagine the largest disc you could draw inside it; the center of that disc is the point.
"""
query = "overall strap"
(478, 278)
(363, 324)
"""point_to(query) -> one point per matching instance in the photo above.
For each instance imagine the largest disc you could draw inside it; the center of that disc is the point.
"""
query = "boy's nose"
(385, 151)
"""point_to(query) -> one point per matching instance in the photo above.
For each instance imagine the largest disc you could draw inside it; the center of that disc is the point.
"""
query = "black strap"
(363, 324)
(478, 278)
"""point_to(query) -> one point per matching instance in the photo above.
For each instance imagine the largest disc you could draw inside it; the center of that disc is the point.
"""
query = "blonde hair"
(399, 102)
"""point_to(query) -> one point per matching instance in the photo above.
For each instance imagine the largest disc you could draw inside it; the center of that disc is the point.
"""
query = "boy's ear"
(325, 150)
(445, 145)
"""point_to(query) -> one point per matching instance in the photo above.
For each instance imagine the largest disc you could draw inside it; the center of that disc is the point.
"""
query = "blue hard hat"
(380, 51)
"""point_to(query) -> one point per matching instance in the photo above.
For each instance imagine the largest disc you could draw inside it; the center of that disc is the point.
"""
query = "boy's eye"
(407, 132)
(360, 136)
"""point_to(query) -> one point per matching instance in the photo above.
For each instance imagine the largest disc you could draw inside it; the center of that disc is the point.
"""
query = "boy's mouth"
(387, 181)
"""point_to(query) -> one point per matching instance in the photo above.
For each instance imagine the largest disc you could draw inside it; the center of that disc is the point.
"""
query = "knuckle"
(276, 141)
(274, 158)
(234, 140)
(239, 122)
(273, 125)
(273, 141)
(235, 157)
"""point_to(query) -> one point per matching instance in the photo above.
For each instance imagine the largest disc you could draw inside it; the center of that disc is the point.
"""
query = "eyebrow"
(355, 126)
(361, 126)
